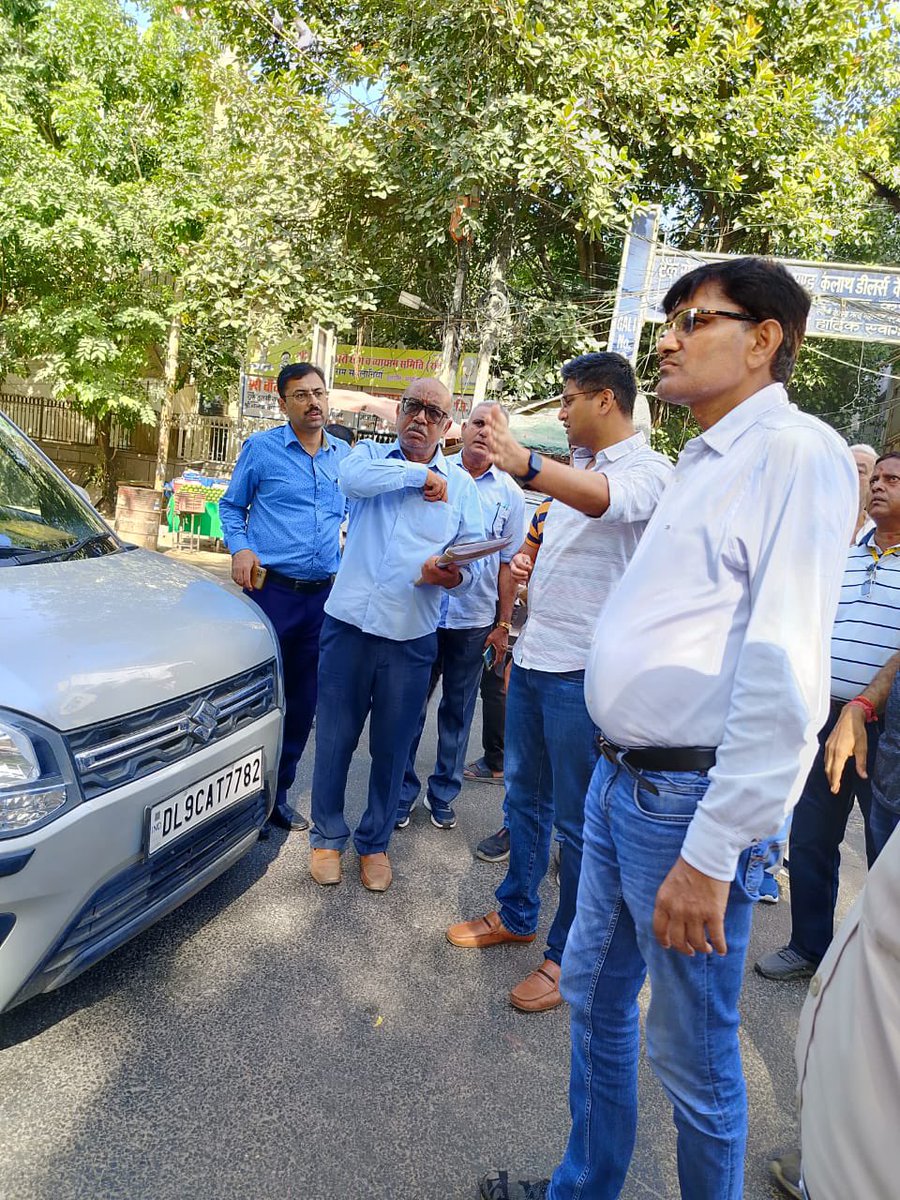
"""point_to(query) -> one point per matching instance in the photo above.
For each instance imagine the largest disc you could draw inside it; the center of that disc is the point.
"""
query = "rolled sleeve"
(794, 554)
(634, 494)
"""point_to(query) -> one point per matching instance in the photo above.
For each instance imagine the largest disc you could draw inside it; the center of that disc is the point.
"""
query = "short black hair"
(604, 369)
(887, 454)
(763, 289)
(344, 432)
(297, 371)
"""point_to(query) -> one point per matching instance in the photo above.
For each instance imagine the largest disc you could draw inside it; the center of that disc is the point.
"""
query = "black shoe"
(288, 820)
(494, 848)
(497, 1185)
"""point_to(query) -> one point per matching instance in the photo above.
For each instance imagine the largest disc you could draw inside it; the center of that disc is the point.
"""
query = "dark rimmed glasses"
(433, 415)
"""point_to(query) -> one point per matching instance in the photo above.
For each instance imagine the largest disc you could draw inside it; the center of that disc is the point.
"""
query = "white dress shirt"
(582, 558)
(718, 634)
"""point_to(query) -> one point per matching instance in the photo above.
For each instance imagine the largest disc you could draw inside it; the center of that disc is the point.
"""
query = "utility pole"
(450, 352)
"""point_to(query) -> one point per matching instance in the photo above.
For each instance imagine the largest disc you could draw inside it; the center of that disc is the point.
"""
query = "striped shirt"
(583, 558)
(535, 534)
(867, 627)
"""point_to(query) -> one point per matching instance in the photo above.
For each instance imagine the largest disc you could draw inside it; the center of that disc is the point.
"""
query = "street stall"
(192, 506)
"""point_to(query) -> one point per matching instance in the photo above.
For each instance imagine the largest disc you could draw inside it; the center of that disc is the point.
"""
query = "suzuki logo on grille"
(203, 720)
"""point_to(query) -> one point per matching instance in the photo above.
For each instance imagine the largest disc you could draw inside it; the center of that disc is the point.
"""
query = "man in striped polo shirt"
(866, 634)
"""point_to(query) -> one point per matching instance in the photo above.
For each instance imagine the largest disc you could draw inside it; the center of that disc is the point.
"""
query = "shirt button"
(815, 985)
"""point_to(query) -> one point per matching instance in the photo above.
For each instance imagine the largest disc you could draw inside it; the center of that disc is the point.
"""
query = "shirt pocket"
(499, 518)
(330, 496)
(436, 522)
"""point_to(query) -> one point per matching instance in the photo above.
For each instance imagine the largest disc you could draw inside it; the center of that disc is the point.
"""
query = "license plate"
(172, 818)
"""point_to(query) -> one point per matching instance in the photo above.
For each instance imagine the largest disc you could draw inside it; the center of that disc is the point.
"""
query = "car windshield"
(41, 515)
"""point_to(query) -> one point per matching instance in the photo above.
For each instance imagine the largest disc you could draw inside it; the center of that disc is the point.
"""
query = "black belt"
(298, 585)
(657, 758)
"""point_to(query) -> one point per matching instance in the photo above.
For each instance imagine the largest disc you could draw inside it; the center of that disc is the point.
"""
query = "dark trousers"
(493, 717)
(297, 618)
(459, 661)
(817, 830)
(361, 675)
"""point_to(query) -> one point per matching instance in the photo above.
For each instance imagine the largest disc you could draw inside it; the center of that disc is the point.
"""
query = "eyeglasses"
(433, 414)
(566, 397)
(315, 394)
(685, 322)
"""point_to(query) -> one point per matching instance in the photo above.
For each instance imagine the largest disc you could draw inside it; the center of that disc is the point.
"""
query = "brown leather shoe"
(325, 866)
(484, 931)
(375, 872)
(538, 991)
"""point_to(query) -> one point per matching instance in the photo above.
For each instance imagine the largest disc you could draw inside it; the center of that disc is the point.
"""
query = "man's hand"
(434, 487)
(521, 565)
(848, 738)
(690, 907)
(506, 452)
(242, 567)
(445, 577)
(499, 639)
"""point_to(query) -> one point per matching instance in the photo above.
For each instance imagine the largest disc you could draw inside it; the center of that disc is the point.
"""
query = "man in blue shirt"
(378, 639)
(468, 628)
(283, 511)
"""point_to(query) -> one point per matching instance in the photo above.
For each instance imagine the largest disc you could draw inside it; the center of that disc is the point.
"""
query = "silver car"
(140, 727)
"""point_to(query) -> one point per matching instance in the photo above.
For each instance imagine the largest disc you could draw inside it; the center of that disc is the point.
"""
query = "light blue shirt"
(393, 530)
(503, 510)
(285, 504)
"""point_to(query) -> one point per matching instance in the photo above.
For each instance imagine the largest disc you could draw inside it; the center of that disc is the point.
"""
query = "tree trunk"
(106, 477)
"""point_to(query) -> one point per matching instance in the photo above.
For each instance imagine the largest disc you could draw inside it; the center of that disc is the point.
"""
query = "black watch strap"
(535, 463)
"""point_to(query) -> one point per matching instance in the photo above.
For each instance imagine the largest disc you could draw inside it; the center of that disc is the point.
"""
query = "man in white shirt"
(468, 627)
(708, 674)
(607, 498)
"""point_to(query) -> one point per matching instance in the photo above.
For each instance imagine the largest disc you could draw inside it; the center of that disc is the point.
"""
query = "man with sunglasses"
(283, 511)
(708, 676)
(379, 635)
(866, 634)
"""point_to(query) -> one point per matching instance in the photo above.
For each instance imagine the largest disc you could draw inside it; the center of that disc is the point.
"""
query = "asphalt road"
(275, 1040)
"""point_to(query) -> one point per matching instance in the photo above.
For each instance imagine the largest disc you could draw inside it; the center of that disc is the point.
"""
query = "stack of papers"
(460, 553)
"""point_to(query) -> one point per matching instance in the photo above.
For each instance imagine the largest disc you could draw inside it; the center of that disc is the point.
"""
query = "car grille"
(141, 894)
(117, 752)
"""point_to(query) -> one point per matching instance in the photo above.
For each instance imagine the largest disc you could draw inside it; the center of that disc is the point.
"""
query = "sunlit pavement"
(274, 1039)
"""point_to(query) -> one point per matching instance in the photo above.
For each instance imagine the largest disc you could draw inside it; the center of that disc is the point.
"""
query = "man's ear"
(769, 336)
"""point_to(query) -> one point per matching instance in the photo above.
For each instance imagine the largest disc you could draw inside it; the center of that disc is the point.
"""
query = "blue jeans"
(882, 822)
(297, 619)
(817, 830)
(459, 660)
(631, 840)
(363, 675)
(550, 754)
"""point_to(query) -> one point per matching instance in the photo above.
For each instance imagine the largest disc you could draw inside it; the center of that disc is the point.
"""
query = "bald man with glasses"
(379, 636)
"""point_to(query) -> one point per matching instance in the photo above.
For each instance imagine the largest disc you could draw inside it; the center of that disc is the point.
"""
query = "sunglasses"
(433, 414)
(685, 322)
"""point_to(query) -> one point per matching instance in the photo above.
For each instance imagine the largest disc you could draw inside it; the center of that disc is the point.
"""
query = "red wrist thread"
(867, 706)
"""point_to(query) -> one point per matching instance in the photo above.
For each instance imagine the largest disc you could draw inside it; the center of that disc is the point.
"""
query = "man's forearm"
(880, 688)
(585, 491)
(506, 593)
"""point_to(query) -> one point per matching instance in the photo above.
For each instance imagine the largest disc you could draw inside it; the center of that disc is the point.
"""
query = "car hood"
(90, 639)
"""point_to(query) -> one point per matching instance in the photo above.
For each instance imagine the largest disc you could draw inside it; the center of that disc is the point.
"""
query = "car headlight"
(37, 780)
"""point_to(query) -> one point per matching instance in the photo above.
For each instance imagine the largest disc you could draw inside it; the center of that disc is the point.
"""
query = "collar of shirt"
(291, 436)
(437, 463)
(457, 461)
(581, 456)
(722, 436)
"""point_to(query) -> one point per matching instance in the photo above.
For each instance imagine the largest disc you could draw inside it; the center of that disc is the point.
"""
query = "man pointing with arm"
(379, 635)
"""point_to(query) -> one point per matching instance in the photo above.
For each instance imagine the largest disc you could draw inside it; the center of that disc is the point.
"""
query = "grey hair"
(863, 448)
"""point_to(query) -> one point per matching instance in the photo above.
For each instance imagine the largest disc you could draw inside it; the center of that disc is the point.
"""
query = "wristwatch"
(503, 625)
(535, 464)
